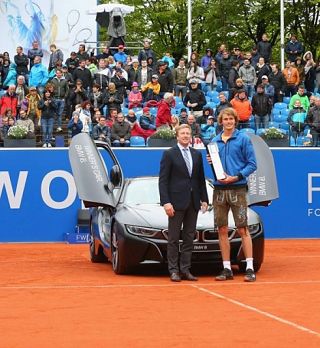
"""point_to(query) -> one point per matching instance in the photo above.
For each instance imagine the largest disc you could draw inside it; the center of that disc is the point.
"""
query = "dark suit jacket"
(175, 184)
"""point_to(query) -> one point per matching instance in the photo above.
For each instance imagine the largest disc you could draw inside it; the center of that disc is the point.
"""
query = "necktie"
(187, 160)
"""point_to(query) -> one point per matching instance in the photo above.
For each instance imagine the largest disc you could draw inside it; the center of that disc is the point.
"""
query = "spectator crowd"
(115, 97)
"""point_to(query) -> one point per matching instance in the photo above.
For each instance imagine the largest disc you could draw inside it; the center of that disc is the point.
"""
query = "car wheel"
(118, 263)
(243, 266)
(100, 256)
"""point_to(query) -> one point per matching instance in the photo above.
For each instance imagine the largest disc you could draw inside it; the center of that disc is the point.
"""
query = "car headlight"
(143, 231)
(254, 228)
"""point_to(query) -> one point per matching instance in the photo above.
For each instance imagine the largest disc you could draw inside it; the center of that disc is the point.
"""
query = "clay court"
(51, 295)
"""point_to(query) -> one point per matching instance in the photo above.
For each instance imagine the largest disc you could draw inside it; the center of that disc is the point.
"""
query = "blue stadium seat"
(178, 99)
(175, 111)
(279, 118)
(285, 113)
(179, 105)
(137, 141)
(273, 124)
(219, 86)
(280, 106)
(286, 100)
(212, 94)
(284, 125)
(137, 109)
(260, 131)
(125, 111)
(153, 111)
(211, 104)
(215, 99)
(139, 113)
(247, 130)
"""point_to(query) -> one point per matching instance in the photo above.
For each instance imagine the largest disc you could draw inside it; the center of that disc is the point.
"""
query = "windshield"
(146, 191)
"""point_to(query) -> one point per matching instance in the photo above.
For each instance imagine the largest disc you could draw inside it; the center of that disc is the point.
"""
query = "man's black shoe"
(226, 274)
(188, 276)
(175, 277)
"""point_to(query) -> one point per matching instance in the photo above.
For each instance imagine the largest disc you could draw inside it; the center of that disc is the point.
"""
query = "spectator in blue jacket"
(11, 78)
(208, 130)
(38, 75)
(75, 125)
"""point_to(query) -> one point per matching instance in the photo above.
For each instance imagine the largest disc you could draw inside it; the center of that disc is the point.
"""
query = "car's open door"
(95, 185)
(262, 184)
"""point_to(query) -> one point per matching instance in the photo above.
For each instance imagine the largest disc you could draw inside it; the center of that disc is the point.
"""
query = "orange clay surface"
(51, 295)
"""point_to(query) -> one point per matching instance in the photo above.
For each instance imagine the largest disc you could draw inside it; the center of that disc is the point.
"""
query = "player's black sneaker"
(249, 276)
(226, 274)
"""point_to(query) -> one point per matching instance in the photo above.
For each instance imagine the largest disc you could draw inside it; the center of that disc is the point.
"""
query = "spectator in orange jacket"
(291, 74)
(243, 108)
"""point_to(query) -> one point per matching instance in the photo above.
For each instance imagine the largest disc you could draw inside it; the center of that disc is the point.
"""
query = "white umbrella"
(125, 9)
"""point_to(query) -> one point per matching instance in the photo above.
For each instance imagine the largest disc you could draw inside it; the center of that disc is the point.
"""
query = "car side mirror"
(115, 175)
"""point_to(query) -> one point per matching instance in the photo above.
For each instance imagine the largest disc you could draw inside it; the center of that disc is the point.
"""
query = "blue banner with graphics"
(39, 203)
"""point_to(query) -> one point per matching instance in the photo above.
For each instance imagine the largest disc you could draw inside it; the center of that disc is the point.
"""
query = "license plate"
(201, 247)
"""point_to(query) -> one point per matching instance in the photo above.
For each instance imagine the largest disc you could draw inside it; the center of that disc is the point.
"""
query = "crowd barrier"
(39, 203)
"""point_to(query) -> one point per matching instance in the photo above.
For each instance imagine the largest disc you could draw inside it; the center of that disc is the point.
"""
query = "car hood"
(153, 215)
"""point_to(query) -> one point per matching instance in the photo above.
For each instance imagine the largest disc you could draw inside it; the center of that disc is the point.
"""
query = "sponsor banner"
(39, 202)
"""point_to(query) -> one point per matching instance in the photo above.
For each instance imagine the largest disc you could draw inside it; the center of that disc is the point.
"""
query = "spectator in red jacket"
(164, 110)
(9, 101)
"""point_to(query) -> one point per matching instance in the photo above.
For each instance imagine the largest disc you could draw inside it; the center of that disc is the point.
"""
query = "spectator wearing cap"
(72, 62)
(120, 55)
(195, 99)
(147, 120)
(180, 79)
(146, 52)
(208, 131)
(133, 72)
(165, 78)
(144, 74)
(84, 74)
(243, 108)
(207, 111)
(261, 108)
(268, 88)
(120, 82)
(237, 55)
(195, 72)
(206, 59)
(151, 90)
(30, 105)
(164, 111)
(135, 96)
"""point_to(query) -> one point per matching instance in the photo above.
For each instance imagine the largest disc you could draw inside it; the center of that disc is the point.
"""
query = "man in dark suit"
(182, 192)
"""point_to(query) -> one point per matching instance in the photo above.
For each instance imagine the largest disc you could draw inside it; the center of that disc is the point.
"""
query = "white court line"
(112, 286)
(256, 310)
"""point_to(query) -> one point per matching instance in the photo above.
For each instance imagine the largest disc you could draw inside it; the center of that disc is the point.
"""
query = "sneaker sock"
(249, 262)
(227, 264)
